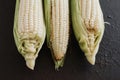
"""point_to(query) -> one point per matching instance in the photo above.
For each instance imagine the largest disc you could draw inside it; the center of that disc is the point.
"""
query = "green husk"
(80, 31)
(20, 41)
(47, 10)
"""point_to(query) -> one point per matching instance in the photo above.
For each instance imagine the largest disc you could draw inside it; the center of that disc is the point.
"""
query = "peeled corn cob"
(88, 25)
(29, 29)
(57, 22)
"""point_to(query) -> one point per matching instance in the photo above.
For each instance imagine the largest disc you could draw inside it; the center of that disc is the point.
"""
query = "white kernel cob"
(88, 25)
(29, 29)
(57, 22)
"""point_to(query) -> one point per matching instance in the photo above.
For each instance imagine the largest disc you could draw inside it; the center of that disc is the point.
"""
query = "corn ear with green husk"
(29, 29)
(57, 23)
(88, 25)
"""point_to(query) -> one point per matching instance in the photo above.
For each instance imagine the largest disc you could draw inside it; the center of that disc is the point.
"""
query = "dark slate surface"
(76, 67)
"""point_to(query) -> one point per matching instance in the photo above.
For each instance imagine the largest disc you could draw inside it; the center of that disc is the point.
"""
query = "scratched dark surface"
(76, 67)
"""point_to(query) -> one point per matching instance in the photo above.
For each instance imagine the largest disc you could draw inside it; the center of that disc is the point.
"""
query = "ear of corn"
(57, 22)
(29, 29)
(88, 25)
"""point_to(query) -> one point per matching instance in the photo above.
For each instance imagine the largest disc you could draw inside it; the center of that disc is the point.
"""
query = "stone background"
(76, 67)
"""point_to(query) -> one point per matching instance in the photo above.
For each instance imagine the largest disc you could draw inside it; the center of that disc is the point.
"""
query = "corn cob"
(29, 29)
(57, 22)
(88, 25)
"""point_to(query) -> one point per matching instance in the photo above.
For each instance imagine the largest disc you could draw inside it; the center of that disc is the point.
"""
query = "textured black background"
(76, 67)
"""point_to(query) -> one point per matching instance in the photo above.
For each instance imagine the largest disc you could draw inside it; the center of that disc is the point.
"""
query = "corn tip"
(30, 63)
(59, 63)
(91, 59)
